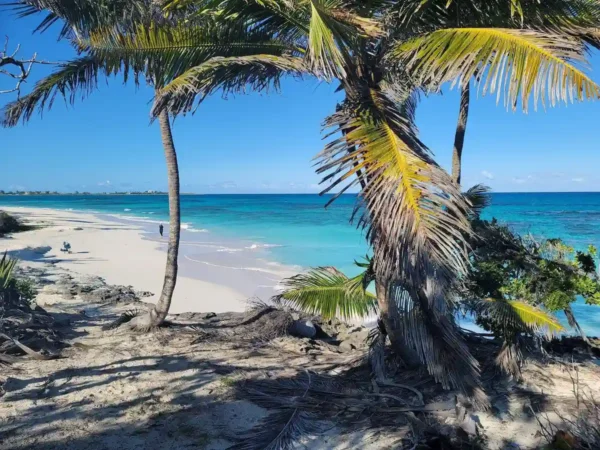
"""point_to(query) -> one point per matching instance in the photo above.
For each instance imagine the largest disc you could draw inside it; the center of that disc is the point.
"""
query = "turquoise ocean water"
(298, 230)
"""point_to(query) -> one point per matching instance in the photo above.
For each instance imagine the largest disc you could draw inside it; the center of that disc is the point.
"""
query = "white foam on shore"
(250, 247)
(252, 269)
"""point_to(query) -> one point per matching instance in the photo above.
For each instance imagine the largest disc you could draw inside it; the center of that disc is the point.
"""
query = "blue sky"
(264, 143)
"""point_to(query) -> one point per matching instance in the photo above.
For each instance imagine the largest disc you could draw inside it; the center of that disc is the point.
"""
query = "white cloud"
(578, 180)
(488, 175)
(104, 183)
(519, 180)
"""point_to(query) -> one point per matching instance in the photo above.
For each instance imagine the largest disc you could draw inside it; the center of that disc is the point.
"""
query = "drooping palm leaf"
(328, 29)
(407, 198)
(78, 77)
(328, 292)
(478, 197)
(518, 316)
(233, 74)
(518, 63)
(165, 52)
(77, 16)
(429, 328)
(7, 266)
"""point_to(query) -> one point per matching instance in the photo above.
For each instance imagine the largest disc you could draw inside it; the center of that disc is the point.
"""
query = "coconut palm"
(577, 18)
(413, 213)
(82, 21)
(415, 218)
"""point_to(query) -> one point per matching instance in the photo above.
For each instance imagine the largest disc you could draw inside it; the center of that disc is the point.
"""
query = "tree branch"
(22, 67)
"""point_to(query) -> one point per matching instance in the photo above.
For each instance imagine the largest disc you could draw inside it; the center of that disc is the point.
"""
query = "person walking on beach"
(161, 229)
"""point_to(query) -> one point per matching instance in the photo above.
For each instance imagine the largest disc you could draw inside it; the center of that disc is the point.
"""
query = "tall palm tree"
(82, 21)
(577, 18)
(413, 213)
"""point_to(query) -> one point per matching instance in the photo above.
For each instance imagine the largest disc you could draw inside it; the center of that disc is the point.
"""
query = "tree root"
(35, 355)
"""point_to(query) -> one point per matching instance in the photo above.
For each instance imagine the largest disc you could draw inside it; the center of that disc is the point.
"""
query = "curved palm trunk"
(161, 309)
(459, 137)
(573, 322)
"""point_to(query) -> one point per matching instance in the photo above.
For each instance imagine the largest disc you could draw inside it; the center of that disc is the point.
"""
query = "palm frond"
(79, 76)
(518, 316)
(165, 52)
(332, 31)
(328, 292)
(428, 326)
(229, 74)
(293, 413)
(479, 198)
(82, 16)
(7, 266)
(407, 197)
(520, 63)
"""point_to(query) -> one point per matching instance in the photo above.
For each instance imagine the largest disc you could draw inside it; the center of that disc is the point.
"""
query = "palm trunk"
(573, 322)
(164, 303)
(459, 137)
(389, 315)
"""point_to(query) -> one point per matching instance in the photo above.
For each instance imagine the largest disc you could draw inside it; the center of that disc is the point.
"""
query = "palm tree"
(576, 18)
(413, 213)
(142, 20)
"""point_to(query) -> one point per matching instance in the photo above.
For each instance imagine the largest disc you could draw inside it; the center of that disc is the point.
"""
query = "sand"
(177, 389)
(127, 253)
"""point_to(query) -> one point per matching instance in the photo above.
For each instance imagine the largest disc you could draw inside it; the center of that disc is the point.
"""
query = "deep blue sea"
(298, 230)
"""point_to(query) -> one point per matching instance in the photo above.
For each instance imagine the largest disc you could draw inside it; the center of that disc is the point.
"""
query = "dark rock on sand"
(95, 289)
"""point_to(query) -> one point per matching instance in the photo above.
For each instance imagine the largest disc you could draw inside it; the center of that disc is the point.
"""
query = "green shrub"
(14, 291)
(10, 224)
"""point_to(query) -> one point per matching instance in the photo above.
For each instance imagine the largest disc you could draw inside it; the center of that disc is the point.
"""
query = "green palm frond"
(233, 74)
(518, 316)
(520, 63)
(407, 197)
(165, 52)
(84, 15)
(7, 266)
(328, 292)
(332, 31)
(76, 78)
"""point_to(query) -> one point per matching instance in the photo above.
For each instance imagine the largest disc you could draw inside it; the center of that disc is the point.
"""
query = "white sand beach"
(128, 252)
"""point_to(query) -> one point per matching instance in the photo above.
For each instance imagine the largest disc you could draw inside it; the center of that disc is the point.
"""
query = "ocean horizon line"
(164, 194)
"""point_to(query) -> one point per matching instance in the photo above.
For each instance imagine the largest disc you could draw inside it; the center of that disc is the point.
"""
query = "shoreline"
(214, 275)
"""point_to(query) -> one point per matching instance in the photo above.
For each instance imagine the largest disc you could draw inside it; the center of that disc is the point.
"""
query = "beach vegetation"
(106, 35)
(382, 55)
(11, 224)
(14, 290)
(327, 292)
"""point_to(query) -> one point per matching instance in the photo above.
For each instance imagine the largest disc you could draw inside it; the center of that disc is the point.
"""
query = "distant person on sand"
(161, 229)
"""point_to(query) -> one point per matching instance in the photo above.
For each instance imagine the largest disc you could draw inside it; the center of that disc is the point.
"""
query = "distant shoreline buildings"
(21, 193)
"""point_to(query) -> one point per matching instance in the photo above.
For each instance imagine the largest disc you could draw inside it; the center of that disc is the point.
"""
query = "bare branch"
(22, 67)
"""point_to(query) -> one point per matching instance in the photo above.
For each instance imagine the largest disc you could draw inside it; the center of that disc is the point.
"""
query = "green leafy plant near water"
(14, 290)
(10, 224)
(513, 286)
(546, 273)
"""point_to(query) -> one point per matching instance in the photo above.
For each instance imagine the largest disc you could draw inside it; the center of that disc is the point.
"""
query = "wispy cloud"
(488, 175)
(578, 179)
(104, 183)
